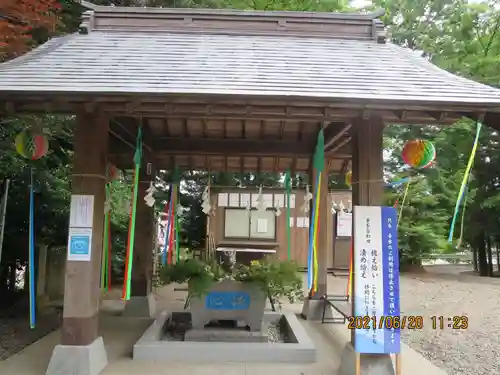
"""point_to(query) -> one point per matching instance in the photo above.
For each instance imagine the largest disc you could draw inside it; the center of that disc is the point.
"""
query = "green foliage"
(279, 279)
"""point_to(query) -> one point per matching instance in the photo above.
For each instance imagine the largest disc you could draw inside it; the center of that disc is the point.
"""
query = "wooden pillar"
(81, 295)
(367, 190)
(367, 169)
(142, 269)
(324, 236)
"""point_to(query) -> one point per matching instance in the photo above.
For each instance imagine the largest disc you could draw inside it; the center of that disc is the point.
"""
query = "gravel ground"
(473, 351)
(15, 333)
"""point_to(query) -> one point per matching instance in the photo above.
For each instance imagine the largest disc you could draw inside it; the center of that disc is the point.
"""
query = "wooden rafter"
(235, 147)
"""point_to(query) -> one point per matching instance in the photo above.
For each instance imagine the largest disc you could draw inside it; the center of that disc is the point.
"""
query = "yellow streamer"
(404, 200)
(315, 251)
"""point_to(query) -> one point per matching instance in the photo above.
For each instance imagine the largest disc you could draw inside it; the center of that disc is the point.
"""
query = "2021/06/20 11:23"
(457, 322)
(411, 322)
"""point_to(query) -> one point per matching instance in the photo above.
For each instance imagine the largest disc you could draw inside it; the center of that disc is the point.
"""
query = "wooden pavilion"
(222, 90)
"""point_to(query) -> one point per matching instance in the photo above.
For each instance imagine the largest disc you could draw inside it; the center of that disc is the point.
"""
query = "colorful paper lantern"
(348, 178)
(32, 145)
(419, 153)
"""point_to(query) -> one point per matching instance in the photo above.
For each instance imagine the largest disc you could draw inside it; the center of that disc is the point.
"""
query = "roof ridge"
(376, 14)
(323, 24)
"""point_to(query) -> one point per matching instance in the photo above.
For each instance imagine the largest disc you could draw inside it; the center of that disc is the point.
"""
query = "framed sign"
(376, 294)
(344, 224)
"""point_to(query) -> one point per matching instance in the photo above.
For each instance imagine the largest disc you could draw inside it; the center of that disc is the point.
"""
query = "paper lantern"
(348, 178)
(419, 153)
(32, 145)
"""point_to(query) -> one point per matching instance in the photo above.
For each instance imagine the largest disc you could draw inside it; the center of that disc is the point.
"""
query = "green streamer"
(105, 248)
(137, 161)
(288, 190)
(176, 222)
(464, 182)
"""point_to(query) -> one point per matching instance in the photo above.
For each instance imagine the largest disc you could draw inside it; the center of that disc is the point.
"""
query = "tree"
(463, 39)
(23, 20)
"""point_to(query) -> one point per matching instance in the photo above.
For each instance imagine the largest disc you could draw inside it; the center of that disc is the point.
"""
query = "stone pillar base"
(312, 310)
(140, 307)
(78, 360)
(371, 364)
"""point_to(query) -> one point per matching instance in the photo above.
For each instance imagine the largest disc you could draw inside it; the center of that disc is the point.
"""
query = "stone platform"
(152, 346)
(224, 335)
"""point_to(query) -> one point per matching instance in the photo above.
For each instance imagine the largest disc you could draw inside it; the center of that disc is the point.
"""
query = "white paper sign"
(244, 200)
(291, 223)
(254, 200)
(222, 200)
(292, 200)
(234, 200)
(376, 278)
(268, 200)
(344, 224)
(81, 211)
(279, 200)
(80, 244)
(261, 225)
(303, 222)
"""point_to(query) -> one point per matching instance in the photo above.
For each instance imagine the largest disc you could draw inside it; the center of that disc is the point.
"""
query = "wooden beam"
(335, 136)
(439, 116)
(337, 147)
(230, 147)
(230, 108)
(127, 127)
(168, 162)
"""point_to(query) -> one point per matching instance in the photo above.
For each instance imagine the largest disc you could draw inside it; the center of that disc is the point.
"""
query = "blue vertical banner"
(376, 273)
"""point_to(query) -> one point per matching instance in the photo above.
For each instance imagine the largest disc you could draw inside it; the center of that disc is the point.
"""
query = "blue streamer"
(167, 230)
(398, 182)
(31, 260)
(310, 260)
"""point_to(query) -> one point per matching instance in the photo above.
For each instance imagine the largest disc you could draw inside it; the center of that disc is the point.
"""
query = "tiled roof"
(166, 62)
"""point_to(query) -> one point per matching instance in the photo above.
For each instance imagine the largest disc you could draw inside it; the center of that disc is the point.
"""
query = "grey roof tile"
(177, 63)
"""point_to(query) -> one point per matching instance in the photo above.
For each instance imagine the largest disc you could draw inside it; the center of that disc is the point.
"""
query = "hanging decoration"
(407, 188)
(131, 231)
(349, 280)
(149, 198)
(177, 211)
(261, 204)
(106, 249)
(288, 193)
(32, 144)
(397, 182)
(462, 222)
(307, 198)
(348, 179)
(461, 192)
(4, 196)
(419, 153)
(205, 201)
(31, 254)
(340, 208)
(169, 229)
(318, 165)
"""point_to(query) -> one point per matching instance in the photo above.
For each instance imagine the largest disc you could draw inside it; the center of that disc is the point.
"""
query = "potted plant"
(237, 293)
